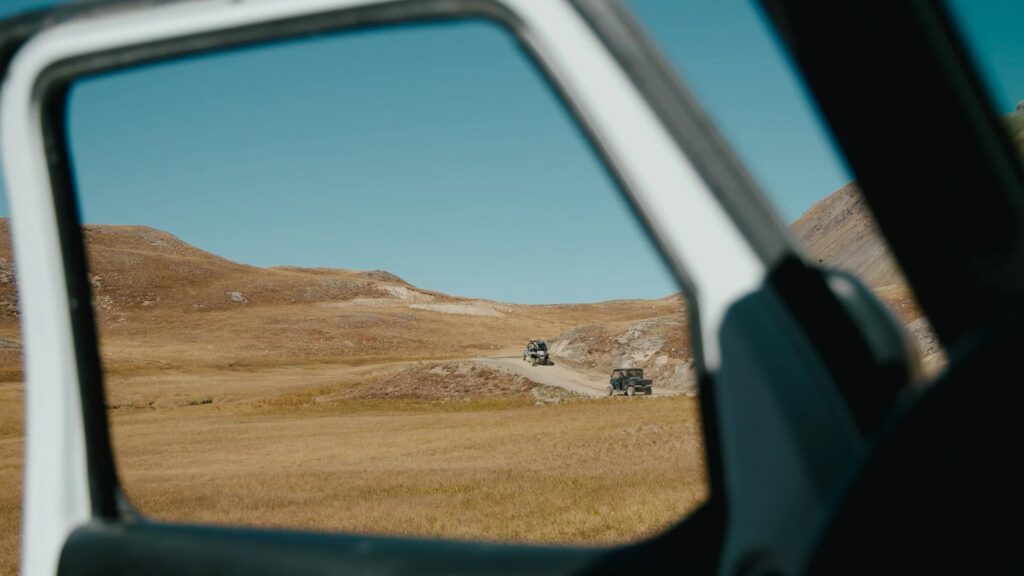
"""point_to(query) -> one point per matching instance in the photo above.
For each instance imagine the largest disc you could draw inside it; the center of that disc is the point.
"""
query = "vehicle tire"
(611, 391)
(649, 391)
(630, 391)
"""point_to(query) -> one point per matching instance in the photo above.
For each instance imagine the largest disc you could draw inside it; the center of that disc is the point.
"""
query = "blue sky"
(434, 152)
(993, 30)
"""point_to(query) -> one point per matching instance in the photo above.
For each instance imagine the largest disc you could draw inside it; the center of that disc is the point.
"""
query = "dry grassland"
(12, 441)
(318, 447)
(498, 468)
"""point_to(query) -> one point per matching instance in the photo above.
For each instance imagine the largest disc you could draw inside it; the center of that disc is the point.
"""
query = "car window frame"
(44, 61)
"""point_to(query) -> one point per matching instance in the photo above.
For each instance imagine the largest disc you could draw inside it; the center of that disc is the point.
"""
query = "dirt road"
(560, 376)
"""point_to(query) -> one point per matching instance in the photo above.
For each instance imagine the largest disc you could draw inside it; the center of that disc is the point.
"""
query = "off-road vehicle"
(629, 381)
(536, 352)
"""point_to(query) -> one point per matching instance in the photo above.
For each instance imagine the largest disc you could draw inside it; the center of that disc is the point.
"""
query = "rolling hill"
(839, 231)
(162, 302)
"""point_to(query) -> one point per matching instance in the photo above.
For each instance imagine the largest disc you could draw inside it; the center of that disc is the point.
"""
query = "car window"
(360, 282)
(732, 61)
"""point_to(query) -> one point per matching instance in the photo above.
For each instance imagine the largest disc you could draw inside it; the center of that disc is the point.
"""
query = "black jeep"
(629, 381)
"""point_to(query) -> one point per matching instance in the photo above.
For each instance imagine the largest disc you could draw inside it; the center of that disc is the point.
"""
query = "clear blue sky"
(993, 29)
(433, 152)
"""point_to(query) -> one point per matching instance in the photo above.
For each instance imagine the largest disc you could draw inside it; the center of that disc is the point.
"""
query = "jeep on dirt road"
(629, 381)
(536, 352)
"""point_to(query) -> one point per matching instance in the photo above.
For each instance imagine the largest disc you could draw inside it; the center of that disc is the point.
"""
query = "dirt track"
(560, 376)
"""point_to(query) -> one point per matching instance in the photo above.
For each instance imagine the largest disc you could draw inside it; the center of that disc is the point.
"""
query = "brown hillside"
(840, 232)
(137, 266)
(659, 344)
(163, 303)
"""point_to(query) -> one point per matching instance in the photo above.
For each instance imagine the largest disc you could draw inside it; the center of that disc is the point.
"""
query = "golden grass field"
(12, 441)
(314, 448)
(498, 468)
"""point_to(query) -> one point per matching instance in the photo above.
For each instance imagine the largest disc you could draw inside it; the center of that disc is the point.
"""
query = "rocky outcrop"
(659, 345)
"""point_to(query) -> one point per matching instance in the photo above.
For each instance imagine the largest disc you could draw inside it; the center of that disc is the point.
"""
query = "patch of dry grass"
(308, 448)
(588, 472)
(12, 441)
